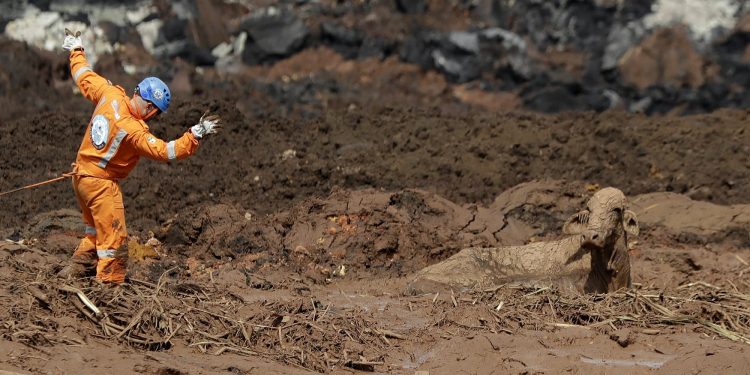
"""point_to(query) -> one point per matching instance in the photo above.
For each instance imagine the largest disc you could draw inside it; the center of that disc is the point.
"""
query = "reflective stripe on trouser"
(102, 206)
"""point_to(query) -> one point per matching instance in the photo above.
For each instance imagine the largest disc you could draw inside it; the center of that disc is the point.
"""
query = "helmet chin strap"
(137, 108)
(151, 114)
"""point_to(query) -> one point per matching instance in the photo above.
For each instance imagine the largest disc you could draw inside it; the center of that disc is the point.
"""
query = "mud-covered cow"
(592, 258)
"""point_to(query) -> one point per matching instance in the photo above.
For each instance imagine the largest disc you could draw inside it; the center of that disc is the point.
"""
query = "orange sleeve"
(91, 84)
(146, 144)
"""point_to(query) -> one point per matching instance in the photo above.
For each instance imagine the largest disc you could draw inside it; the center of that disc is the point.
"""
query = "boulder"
(555, 98)
(186, 50)
(457, 68)
(343, 40)
(411, 6)
(272, 35)
(665, 57)
(376, 47)
(210, 25)
(621, 38)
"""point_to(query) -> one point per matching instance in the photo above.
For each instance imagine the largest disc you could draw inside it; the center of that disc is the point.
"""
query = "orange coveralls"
(112, 145)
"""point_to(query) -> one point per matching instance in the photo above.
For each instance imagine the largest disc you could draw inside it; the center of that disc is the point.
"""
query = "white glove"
(72, 41)
(206, 125)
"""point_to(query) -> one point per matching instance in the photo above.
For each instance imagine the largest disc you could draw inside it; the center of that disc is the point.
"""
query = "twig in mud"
(721, 331)
(388, 333)
(281, 339)
(38, 294)
(86, 301)
(234, 349)
(363, 365)
(697, 283)
(136, 319)
(494, 347)
(741, 260)
(169, 337)
(325, 311)
(159, 282)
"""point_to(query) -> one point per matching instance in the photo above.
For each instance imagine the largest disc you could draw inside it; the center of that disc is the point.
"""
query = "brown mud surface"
(286, 244)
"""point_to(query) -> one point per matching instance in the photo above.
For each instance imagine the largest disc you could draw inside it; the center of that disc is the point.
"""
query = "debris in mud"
(623, 337)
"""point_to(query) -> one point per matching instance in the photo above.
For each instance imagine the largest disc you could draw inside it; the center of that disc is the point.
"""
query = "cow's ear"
(577, 223)
(630, 223)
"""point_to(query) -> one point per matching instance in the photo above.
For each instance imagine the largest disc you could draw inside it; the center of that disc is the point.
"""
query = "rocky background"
(651, 56)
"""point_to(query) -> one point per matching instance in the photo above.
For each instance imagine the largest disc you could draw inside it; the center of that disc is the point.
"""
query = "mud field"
(287, 244)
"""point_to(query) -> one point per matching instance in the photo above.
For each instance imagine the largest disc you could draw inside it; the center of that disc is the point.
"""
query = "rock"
(342, 40)
(457, 68)
(464, 41)
(620, 40)
(10, 10)
(417, 49)
(186, 50)
(641, 106)
(513, 53)
(209, 25)
(411, 6)
(173, 29)
(553, 99)
(335, 33)
(702, 18)
(665, 57)
(376, 47)
(623, 337)
(272, 34)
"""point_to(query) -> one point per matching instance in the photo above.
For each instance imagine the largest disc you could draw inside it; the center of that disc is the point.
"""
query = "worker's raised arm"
(91, 84)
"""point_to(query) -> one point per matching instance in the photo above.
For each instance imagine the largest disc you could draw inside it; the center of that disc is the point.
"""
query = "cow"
(592, 258)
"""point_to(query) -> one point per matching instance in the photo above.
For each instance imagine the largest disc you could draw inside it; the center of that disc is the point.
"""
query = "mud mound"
(684, 220)
(367, 232)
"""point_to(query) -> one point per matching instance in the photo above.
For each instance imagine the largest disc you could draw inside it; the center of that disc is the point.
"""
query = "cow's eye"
(617, 210)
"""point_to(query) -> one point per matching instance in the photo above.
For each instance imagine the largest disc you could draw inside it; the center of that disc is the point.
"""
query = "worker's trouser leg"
(104, 214)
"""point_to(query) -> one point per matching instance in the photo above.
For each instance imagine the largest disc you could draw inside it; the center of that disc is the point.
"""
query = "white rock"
(149, 31)
(703, 17)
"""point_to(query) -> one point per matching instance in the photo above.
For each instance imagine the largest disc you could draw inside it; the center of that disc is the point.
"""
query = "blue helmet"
(155, 91)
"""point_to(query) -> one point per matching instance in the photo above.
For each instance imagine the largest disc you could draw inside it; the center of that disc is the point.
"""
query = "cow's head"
(604, 229)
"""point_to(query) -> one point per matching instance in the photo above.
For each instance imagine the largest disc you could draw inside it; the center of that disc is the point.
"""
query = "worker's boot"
(79, 267)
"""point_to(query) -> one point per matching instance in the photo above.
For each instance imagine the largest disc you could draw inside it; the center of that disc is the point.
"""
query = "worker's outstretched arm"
(154, 148)
(146, 144)
(91, 84)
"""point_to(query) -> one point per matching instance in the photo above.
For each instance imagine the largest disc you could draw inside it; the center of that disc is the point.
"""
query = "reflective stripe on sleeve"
(113, 148)
(171, 152)
(116, 107)
(107, 253)
(80, 71)
(90, 230)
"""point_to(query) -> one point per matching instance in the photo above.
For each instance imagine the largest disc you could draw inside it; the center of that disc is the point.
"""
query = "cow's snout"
(592, 238)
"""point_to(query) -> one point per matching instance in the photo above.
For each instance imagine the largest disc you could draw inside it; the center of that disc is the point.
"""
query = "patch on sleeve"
(151, 140)
(99, 131)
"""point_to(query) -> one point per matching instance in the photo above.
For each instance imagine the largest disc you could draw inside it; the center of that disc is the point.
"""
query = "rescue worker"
(115, 139)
